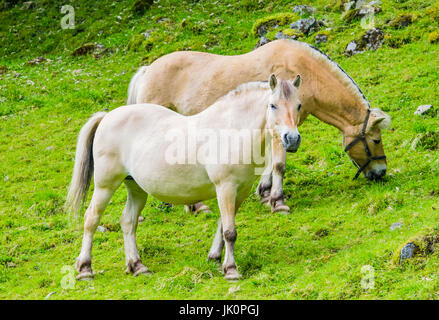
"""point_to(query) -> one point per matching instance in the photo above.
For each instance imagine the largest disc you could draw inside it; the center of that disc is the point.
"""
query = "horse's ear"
(272, 81)
(379, 119)
(298, 81)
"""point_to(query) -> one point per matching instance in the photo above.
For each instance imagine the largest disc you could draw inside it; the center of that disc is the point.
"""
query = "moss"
(278, 19)
(401, 21)
(433, 12)
(351, 15)
(433, 37)
(425, 245)
(292, 32)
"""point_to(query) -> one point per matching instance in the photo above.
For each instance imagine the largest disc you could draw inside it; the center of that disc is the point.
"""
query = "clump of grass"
(433, 37)
(397, 41)
(261, 26)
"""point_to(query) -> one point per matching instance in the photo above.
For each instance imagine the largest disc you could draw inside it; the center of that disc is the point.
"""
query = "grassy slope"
(44, 107)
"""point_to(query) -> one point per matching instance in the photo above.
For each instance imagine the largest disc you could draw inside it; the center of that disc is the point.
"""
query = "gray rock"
(407, 252)
(371, 40)
(307, 26)
(320, 38)
(102, 229)
(304, 9)
(261, 42)
(395, 226)
(423, 110)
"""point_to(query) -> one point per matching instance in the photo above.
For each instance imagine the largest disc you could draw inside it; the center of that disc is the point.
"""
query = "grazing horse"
(130, 144)
(197, 79)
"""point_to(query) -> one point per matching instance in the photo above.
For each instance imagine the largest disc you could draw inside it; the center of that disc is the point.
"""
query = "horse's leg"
(265, 183)
(279, 156)
(197, 208)
(216, 250)
(99, 201)
(136, 201)
(226, 194)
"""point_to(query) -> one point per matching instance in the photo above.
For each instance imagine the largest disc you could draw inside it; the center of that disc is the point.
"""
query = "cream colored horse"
(197, 79)
(133, 141)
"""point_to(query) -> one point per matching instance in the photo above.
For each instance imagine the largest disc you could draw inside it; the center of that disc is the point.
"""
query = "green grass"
(336, 225)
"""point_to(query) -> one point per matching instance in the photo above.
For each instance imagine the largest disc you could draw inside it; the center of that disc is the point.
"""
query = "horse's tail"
(133, 87)
(83, 168)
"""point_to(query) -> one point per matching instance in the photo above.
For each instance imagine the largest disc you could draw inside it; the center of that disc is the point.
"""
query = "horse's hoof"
(142, 270)
(85, 275)
(232, 274)
(214, 257)
(203, 209)
(284, 209)
(265, 200)
(137, 268)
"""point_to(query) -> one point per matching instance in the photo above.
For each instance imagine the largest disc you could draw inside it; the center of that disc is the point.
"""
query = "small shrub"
(433, 37)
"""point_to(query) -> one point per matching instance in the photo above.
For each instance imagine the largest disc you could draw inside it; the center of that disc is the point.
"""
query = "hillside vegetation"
(53, 79)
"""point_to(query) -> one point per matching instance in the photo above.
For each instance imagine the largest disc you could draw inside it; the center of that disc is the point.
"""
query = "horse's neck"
(242, 110)
(343, 113)
(327, 92)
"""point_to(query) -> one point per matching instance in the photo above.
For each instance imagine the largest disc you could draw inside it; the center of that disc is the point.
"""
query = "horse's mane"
(338, 71)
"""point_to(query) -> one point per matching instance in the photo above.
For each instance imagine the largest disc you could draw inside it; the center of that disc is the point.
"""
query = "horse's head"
(365, 147)
(284, 110)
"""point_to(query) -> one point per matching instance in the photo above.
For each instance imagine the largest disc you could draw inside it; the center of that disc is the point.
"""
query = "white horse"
(130, 145)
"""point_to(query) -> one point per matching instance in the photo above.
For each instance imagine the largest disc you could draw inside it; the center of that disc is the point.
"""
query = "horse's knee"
(279, 168)
(230, 235)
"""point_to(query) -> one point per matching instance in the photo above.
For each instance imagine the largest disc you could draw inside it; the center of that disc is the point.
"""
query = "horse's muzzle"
(376, 174)
(291, 141)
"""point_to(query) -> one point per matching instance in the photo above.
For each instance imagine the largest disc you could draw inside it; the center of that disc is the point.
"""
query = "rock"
(395, 226)
(102, 229)
(371, 40)
(424, 110)
(307, 26)
(261, 42)
(360, 9)
(407, 252)
(320, 38)
(304, 9)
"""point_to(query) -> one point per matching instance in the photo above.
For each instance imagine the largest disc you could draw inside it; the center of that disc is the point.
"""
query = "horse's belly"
(178, 184)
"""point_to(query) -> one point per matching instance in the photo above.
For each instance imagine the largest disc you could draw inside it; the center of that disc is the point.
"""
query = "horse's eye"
(376, 141)
(272, 106)
(299, 107)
